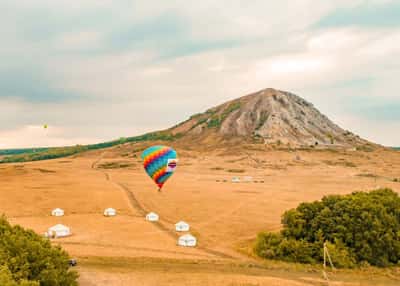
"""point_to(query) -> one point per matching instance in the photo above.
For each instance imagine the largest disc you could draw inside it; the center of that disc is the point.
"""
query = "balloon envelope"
(159, 163)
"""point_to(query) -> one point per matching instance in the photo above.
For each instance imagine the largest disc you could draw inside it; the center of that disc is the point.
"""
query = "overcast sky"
(95, 70)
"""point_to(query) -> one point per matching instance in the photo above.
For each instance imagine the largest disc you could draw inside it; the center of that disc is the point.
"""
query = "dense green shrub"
(6, 279)
(359, 227)
(25, 256)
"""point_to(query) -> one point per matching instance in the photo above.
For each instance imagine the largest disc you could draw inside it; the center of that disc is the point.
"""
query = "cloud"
(99, 70)
(38, 136)
(381, 13)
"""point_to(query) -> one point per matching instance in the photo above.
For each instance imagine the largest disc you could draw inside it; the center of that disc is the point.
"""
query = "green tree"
(359, 228)
(6, 279)
(27, 256)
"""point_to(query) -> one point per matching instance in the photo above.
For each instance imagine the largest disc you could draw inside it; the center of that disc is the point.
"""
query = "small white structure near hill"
(58, 230)
(110, 212)
(152, 217)
(182, 226)
(187, 240)
(235, 180)
(57, 212)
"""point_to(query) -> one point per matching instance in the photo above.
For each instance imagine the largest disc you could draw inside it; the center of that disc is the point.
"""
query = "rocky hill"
(268, 116)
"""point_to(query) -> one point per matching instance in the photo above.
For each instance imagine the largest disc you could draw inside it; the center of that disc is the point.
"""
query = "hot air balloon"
(159, 163)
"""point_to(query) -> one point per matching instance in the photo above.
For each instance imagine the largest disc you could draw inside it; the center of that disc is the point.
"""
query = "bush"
(28, 259)
(214, 122)
(358, 228)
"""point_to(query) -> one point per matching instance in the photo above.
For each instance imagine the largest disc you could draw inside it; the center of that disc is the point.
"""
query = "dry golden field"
(224, 216)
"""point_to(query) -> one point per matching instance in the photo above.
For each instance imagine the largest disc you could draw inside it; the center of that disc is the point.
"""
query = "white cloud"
(135, 89)
(82, 40)
(38, 136)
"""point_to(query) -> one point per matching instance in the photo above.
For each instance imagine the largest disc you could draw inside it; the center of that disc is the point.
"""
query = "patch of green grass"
(231, 108)
(214, 122)
(199, 122)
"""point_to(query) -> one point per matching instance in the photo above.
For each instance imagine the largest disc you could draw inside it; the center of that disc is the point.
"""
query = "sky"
(96, 70)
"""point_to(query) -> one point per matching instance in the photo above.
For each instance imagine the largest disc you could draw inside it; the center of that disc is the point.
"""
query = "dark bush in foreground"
(358, 228)
(28, 259)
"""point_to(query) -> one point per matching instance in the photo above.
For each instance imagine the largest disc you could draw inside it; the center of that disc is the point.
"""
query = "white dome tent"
(57, 212)
(152, 216)
(110, 212)
(182, 226)
(187, 240)
(58, 230)
(235, 180)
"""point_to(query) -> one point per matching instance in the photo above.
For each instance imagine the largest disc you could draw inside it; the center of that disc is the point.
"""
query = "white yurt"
(187, 240)
(152, 217)
(110, 212)
(235, 180)
(58, 230)
(57, 212)
(182, 226)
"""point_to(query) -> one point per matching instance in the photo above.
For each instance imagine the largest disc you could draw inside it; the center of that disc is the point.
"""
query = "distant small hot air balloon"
(159, 163)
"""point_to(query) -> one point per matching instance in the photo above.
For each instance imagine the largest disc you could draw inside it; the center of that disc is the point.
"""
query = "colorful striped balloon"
(159, 162)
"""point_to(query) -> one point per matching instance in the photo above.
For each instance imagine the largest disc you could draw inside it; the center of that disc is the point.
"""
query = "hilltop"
(270, 117)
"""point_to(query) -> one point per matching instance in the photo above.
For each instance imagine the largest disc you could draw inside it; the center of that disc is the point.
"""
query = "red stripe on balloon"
(159, 175)
(156, 156)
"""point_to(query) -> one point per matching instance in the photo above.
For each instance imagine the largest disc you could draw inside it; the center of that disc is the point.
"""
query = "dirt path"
(163, 225)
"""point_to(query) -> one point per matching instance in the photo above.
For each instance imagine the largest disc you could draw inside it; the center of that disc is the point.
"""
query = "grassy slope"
(26, 155)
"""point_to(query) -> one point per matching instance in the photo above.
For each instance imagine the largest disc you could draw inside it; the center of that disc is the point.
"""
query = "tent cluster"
(244, 179)
(107, 212)
(181, 226)
(60, 230)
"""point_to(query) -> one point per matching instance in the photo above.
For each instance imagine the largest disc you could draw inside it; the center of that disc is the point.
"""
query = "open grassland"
(224, 216)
